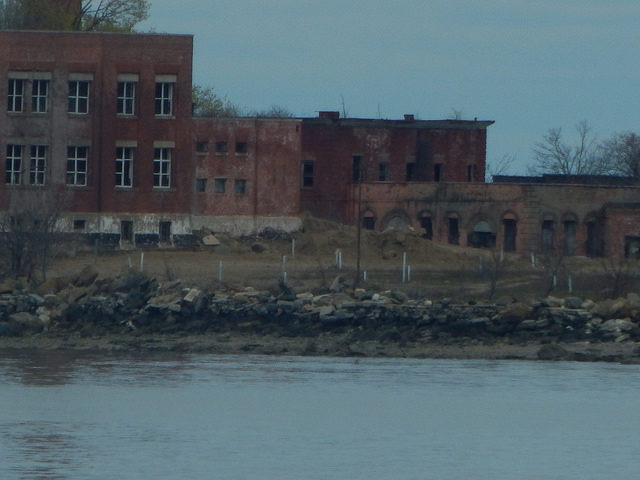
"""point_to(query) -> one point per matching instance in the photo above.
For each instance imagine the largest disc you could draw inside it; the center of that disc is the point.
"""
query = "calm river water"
(83, 416)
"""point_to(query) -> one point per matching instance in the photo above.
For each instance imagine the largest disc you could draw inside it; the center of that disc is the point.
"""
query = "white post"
(555, 281)
(364, 275)
(141, 261)
(220, 271)
(284, 277)
(293, 247)
(408, 273)
(533, 259)
(129, 261)
(570, 284)
(339, 259)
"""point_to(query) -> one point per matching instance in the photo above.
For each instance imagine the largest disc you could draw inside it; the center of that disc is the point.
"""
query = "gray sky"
(527, 65)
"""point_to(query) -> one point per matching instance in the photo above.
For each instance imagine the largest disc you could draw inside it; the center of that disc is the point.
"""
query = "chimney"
(329, 115)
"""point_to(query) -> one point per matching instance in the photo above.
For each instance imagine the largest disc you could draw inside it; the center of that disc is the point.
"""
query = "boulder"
(573, 303)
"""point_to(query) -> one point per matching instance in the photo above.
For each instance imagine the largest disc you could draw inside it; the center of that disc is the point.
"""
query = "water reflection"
(46, 449)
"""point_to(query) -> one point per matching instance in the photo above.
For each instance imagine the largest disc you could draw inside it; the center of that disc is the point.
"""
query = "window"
(383, 171)
(79, 225)
(165, 232)
(221, 148)
(164, 99)
(510, 234)
(437, 172)
(356, 169)
(201, 184)
(307, 174)
(241, 148)
(79, 96)
(124, 166)
(13, 165)
(40, 96)
(126, 98)
(219, 185)
(547, 235)
(240, 186)
(202, 146)
(162, 167)
(77, 166)
(15, 95)
(454, 232)
(471, 173)
(126, 231)
(411, 171)
(38, 164)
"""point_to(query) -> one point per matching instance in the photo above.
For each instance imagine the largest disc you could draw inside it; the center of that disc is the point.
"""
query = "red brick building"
(338, 153)
(104, 122)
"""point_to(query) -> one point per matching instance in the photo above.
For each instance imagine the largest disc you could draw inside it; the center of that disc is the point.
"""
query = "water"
(82, 416)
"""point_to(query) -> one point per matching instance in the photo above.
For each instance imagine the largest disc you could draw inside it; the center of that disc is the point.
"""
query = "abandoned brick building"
(104, 123)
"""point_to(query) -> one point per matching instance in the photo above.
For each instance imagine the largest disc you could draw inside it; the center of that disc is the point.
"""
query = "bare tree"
(28, 232)
(622, 151)
(500, 166)
(553, 155)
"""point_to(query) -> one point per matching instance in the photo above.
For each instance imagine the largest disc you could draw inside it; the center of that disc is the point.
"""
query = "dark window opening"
(307, 174)
(595, 240)
(126, 231)
(437, 172)
(570, 237)
(240, 186)
(454, 232)
(481, 236)
(547, 235)
(201, 184)
(241, 148)
(79, 225)
(221, 148)
(356, 169)
(383, 171)
(165, 232)
(219, 185)
(510, 232)
(368, 222)
(202, 147)
(425, 223)
(411, 171)
(632, 247)
(471, 173)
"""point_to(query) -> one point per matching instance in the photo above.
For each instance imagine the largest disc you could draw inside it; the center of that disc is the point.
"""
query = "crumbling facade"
(102, 125)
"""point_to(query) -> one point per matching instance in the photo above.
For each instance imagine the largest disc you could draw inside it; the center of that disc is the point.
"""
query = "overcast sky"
(526, 65)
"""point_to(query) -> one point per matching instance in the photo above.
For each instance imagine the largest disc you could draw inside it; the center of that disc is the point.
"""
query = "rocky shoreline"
(134, 312)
